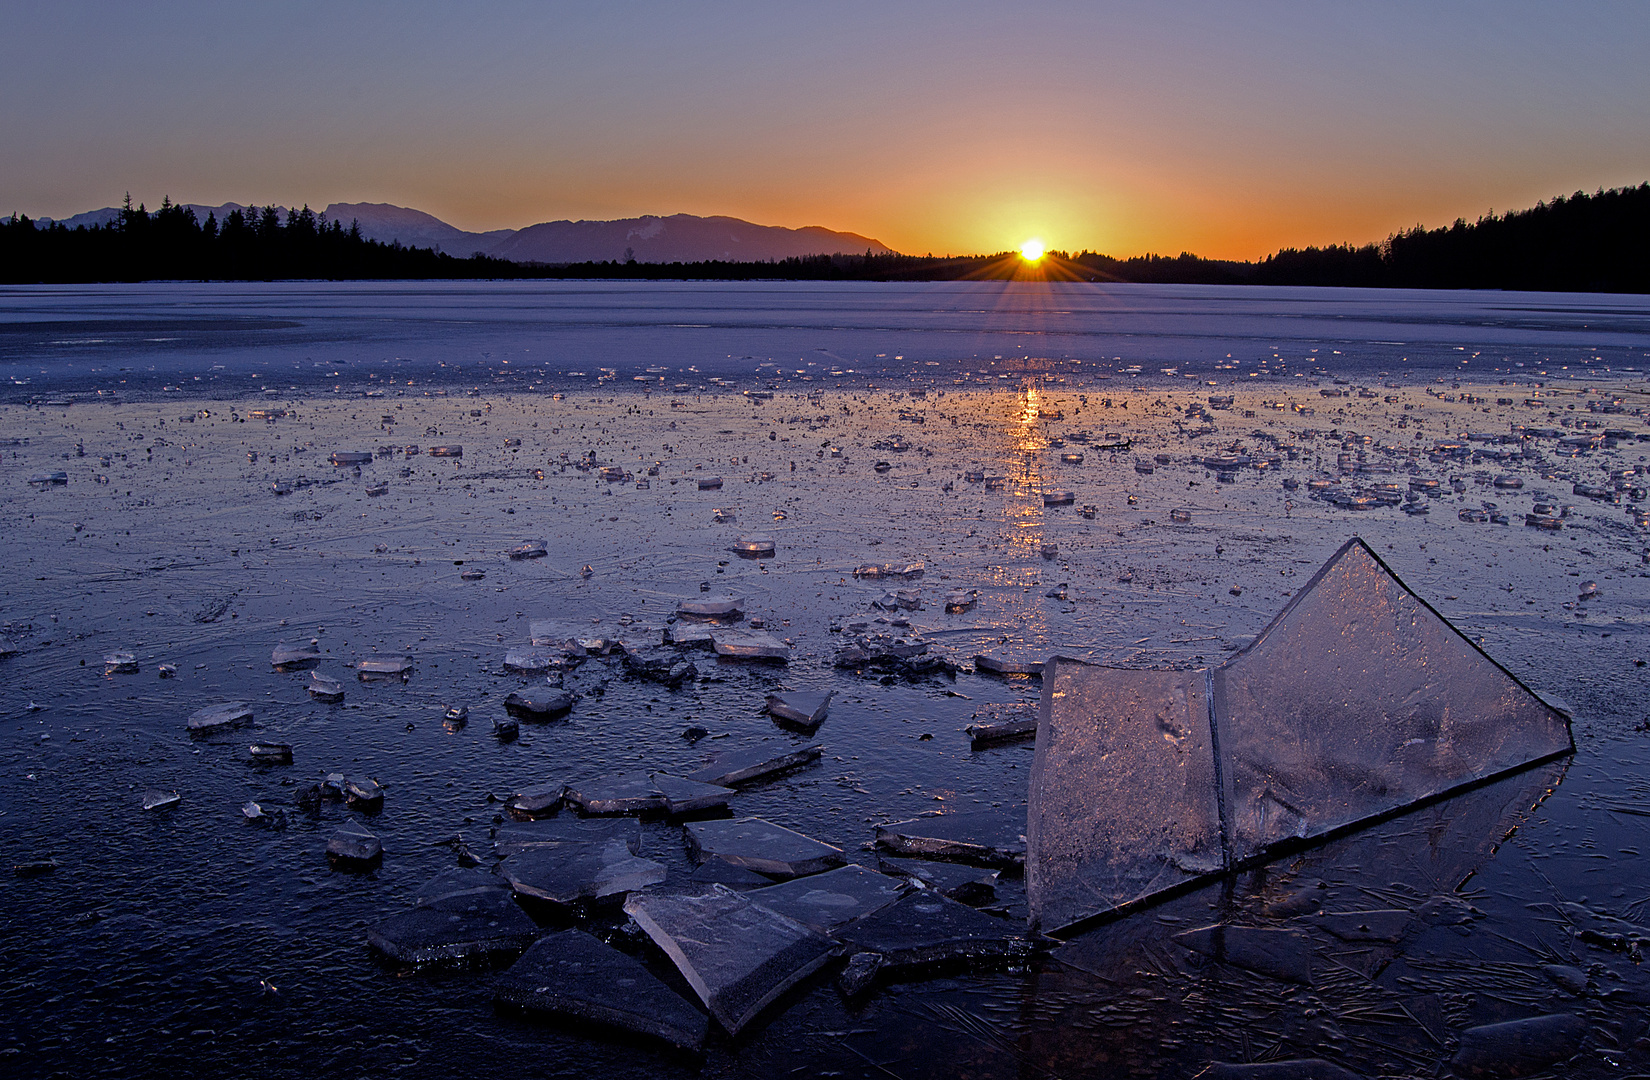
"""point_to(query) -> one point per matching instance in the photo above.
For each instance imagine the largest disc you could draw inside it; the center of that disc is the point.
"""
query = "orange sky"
(1226, 130)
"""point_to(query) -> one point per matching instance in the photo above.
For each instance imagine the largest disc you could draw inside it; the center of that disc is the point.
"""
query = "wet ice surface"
(200, 943)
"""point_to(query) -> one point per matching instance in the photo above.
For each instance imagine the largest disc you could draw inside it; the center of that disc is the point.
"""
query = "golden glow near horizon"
(1032, 250)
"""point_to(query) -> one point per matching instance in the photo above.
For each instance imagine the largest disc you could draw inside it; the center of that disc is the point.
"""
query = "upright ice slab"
(1357, 701)
(1123, 790)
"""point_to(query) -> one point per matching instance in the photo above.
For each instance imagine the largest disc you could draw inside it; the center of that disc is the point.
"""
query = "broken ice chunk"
(536, 704)
(684, 796)
(567, 873)
(806, 711)
(572, 974)
(537, 799)
(364, 794)
(460, 881)
(711, 607)
(924, 929)
(351, 457)
(353, 847)
(1123, 797)
(749, 645)
(762, 846)
(46, 478)
(325, 688)
(529, 549)
(825, 902)
(506, 730)
(1002, 723)
(710, 483)
(219, 717)
(754, 547)
(512, 838)
(383, 667)
(987, 836)
(753, 763)
(1358, 699)
(472, 574)
(737, 955)
(690, 636)
(477, 923)
(271, 753)
(625, 793)
(971, 885)
(159, 800)
(530, 661)
(450, 450)
(959, 602)
(119, 662)
(1059, 498)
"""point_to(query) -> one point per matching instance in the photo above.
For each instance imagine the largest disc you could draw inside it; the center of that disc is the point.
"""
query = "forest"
(1581, 243)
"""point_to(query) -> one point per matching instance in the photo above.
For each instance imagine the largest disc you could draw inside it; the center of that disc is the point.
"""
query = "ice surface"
(753, 763)
(1123, 797)
(572, 974)
(1519, 1047)
(461, 925)
(833, 899)
(923, 929)
(970, 884)
(760, 845)
(566, 873)
(1359, 699)
(1281, 954)
(737, 955)
(989, 836)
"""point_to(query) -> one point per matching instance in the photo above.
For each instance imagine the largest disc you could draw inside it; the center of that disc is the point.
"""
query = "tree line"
(1592, 243)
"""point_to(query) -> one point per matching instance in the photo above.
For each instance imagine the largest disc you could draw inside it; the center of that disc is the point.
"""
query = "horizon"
(1125, 130)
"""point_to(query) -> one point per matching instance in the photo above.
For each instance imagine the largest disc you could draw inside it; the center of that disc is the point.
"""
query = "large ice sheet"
(1360, 699)
(1123, 796)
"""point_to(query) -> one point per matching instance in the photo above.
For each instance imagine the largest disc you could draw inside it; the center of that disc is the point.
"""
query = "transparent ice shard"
(737, 955)
(1360, 699)
(1123, 798)
(1357, 702)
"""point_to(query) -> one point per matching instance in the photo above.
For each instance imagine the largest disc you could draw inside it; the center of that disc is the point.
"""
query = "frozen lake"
(227, 338)
(191, 940)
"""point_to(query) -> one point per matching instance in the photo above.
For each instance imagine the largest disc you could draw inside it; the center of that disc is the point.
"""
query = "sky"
(1225, 129)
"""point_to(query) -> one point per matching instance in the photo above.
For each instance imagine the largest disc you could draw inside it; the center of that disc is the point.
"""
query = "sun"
(1031, 250)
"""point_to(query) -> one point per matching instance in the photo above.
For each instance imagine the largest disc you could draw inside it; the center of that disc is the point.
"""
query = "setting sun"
(1031, 250)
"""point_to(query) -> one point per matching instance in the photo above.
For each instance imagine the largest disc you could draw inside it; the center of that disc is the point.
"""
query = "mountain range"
(647, 239)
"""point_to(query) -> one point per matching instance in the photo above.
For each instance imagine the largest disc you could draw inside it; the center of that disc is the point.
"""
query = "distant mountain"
(649, 239)
(415, 228)
(678, 238)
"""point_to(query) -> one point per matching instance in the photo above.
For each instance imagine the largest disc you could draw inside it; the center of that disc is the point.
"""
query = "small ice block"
(474, 924)
(539, 704)
(530, 661)
(998, 666)
(353, 846)
(754, 546)
(535, 799)
(825, 902)
(924, 929)
(572, 974)
(987, 836)
(749, 645)
(761, 846)
(219, 717)
(567, 873)
(711, 607)
(1002, 723)
(291, 657)
(803, 710)
(737, 955)
(325, 688)
(528, 549)
(160, 800)
(684, 796)
(383, 667)
(753, 763)
(271, 753)
(623, 793)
